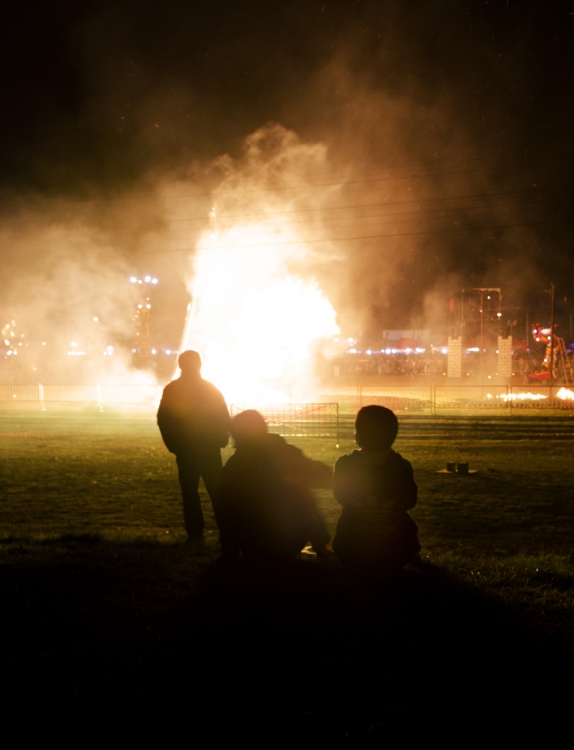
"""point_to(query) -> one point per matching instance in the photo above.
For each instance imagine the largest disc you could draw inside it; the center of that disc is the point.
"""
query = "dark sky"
(457, 113)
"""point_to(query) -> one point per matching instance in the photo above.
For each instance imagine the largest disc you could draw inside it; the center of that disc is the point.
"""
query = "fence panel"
(119, 395)
(401, 398)
(527, 398)
(18, 393)
(298, 420)
(71, 394)
(467, 399)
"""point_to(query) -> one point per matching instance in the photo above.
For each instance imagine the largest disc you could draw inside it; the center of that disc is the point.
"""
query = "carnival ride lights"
(142, 316)
(406, 350)
(11, 338)
(75, 352)
(555, 351)
(145, 280)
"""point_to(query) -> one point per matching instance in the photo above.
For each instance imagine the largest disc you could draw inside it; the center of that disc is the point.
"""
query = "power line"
(368, 180)
(389, 217)
(363, 206)
(450, 230)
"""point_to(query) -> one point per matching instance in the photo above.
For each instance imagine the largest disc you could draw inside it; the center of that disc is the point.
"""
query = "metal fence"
(298, 420)
(464, 399)
(85, 395)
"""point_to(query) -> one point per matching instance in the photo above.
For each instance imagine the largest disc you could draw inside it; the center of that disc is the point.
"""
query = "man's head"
(376, 427)
(189, 362)
(247, 427)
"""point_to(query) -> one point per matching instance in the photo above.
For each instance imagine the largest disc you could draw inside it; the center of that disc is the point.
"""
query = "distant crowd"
(397, 363)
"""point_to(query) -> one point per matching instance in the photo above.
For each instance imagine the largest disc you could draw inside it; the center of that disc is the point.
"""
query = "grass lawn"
(108, 619)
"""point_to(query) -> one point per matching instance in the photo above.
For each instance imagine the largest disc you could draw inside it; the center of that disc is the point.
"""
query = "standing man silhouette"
(194, 423)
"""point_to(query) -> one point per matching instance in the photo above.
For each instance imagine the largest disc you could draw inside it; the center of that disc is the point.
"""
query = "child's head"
(248, 427)
(376, 427)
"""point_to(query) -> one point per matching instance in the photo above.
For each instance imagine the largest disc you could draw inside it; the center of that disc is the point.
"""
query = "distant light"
(6, 342)
(369, 351)
(154, 281)
(154, 351)
(352, 351)
(43, 343)
(9, 352)
(499, 315)
(140, 307)
(133, 280)
(168, 351)
(96, 319)
(148, 307)
(147, 279)
(387, 351)
(140, 281)
(73, 343)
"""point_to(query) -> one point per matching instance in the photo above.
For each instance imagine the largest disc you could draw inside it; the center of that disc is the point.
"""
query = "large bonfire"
(257, 310)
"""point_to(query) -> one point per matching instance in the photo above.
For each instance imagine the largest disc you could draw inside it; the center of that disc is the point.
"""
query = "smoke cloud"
(413, 151)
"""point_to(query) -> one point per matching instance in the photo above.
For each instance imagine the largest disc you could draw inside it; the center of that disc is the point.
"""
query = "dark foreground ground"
(110, 625)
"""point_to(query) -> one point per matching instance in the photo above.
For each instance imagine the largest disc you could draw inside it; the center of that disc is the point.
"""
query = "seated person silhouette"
(375, 485)
(267, 507)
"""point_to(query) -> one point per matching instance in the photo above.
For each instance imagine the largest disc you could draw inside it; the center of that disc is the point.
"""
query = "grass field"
(110, 620)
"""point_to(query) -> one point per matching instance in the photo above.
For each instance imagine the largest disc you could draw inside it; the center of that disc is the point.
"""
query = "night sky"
(451, 119)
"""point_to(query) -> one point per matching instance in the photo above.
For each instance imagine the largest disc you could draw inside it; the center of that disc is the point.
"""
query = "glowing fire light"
(518, 396)
(564, 394)
(253, 318)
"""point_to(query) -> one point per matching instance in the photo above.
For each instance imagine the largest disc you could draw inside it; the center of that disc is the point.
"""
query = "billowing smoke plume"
(417, 150)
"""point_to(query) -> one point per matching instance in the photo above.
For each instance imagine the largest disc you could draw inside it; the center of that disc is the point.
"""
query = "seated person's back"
(267, 507)
(375, 485)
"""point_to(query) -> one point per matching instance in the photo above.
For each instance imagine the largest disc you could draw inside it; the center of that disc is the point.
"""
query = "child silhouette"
(375, 485)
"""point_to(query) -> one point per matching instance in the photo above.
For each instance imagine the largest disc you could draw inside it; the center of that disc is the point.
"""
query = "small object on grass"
(457, 468)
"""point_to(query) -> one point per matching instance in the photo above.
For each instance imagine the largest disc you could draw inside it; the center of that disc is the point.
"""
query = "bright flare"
(254, 318)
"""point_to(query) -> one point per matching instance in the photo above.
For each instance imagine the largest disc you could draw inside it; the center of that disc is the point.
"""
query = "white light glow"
(254, 319)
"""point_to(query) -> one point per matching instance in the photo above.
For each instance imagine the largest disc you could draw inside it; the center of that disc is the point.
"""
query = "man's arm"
(168, 423)
(405, 490)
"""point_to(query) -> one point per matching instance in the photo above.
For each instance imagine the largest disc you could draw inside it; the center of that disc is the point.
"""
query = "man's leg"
(188, 472)
(211, 466)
